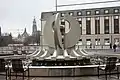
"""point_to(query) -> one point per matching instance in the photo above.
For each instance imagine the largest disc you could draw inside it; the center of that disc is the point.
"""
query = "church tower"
(34, 27)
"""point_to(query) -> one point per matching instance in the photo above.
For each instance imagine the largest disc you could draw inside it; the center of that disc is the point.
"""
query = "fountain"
(61, 41)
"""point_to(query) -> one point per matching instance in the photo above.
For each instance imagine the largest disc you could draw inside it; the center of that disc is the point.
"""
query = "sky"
(15, 15)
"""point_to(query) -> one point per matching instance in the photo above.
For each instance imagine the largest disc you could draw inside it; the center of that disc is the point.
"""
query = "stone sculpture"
(61, 40)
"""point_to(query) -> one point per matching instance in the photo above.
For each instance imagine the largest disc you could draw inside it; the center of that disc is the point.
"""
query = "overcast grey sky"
(15, 15)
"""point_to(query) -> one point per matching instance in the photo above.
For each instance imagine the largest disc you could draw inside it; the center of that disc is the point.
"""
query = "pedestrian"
(110, 46)
(90, 45)
(114, 47)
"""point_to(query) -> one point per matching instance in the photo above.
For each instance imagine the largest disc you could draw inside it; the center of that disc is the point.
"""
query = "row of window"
(97, 25)
(106, 25)
(97, 12)
(97, 41)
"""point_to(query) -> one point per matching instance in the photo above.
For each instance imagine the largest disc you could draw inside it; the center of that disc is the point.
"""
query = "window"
(71, 13)
(88, 19)
(97, 12)
(81, 25)
(97, 25)
(62, 30)
(62, 14)
(88, 12)
(107, 18)
(107, 41)
(106, 11)
(62, 27)
(88, 41)
(116, 10)
(62, 40)
(116, 24)
(79, 13)
(80, 39)
(80, 42)
(116, 17)
(106, 25)
(80, 22)
(62, 22)
(97, 41)
(88, 26)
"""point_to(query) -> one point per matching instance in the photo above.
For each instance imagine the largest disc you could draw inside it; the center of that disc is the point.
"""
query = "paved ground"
(104, 52)
(75, 78)
(113, 77)
(96, 51)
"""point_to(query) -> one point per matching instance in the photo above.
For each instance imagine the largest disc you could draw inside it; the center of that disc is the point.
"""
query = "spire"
(34, 21)
(25, 30)
(19, 36)
(25, 34)
(34, 27)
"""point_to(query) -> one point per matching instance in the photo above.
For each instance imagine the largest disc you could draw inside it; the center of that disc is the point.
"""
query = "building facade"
(5, 38)
(99, 26)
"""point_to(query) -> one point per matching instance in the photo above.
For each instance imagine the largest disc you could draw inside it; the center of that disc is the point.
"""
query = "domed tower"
(34, 27)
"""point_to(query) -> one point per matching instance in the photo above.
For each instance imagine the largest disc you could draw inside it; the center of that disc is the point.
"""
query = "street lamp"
(56, 5)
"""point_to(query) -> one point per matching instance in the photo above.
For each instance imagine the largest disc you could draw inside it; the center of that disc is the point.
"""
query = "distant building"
(35, 33)
(22, 37)
(99, 26)
(5, 38)
(27, 39)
